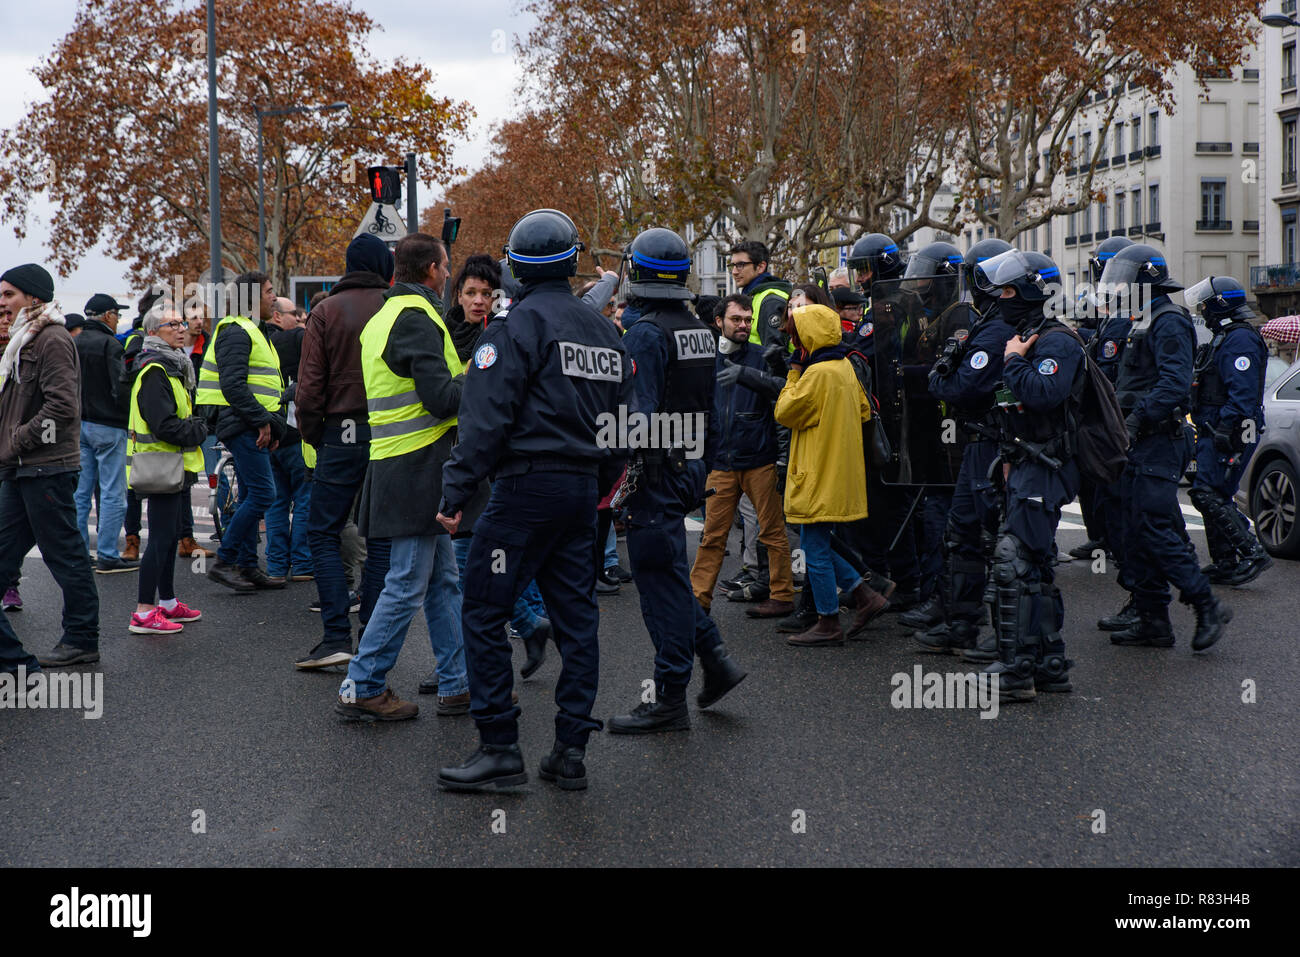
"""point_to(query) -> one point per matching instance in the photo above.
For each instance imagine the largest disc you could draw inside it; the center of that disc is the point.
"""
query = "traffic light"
(385, 184)
(450, 226)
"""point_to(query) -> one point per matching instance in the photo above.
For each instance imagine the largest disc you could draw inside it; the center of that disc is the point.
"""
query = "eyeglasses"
(174, 324)
(740, 265)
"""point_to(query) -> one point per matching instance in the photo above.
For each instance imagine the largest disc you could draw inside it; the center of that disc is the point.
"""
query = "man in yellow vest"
(770, 295)
(413, 382)
(240, 375)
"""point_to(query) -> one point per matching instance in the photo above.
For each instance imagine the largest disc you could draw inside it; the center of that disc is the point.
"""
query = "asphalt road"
(217, 720)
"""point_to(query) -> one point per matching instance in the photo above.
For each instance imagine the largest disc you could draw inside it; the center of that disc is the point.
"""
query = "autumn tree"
(1023, 70)
(122, 134)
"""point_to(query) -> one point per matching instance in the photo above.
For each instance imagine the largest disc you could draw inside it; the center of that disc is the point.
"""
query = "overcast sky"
(454, 39)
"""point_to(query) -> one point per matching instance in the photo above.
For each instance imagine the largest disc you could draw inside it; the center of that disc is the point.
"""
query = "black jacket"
(743, 412)
(158, 409)
(105, 390)
(401, 494)
(244, 413)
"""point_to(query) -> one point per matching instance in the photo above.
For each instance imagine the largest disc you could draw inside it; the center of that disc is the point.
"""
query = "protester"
(162, 421)
(288, 554)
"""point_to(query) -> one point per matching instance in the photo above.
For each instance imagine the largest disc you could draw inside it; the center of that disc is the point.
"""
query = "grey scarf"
(26, 324)
(176, 361)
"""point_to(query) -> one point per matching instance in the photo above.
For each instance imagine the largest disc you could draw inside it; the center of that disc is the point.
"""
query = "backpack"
(1101, 437)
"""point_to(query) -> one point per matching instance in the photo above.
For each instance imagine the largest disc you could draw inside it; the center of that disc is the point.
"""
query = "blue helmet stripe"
(554, 258)
(891, 248)
(1105, 255)
(1233, 294)
(1049, 273)
(674, 264)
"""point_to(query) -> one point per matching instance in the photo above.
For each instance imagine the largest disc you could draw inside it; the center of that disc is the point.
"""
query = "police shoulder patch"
(1110, 348)
(1242, 363)
(485, 355)
(867, 329)
(979, 360)
(1047, 367)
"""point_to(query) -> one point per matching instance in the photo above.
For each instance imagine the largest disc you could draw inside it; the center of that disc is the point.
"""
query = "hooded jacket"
(40, 406)
(824, 408)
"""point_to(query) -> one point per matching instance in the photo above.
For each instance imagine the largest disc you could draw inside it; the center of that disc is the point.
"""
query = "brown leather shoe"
(771, 609)
(827, 631)
(382, 707)
(453, 704)
(186, 548)
(869, 604)
(132, 551)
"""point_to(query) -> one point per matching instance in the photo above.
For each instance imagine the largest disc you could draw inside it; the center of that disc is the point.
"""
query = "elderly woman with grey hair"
(162, 421)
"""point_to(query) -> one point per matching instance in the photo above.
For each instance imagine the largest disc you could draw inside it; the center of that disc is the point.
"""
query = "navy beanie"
(369, 253)
(31, 279)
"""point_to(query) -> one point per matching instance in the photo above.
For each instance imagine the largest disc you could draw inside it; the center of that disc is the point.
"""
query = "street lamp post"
(261, 191)
(214, 178)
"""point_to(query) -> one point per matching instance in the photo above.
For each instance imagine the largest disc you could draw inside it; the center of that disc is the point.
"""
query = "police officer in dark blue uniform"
(1228, 412)
(1043, 372)
(966, 377)
(875, 258)
(1105, 335)
(673, 354)
(545, 379)
(1154, 392)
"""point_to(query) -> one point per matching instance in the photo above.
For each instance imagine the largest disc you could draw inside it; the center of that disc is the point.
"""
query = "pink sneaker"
(181, 612)
(154, 623)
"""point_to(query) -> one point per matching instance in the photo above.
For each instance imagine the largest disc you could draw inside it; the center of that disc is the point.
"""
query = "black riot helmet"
(983, 294)
(659, 262)
(934, 274)
(874, 257)
(1035, 279)
(1139, 264)
(1104, 253)
(1219, 299)
(544, 244)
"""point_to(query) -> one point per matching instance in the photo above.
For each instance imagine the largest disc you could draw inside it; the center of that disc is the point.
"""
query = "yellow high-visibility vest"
(140, 439)
(754, 336)
(399, 422)
(264, 379)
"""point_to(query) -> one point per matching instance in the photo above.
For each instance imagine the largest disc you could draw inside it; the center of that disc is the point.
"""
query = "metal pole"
(261, 201)
(214, 180)
(412, 208)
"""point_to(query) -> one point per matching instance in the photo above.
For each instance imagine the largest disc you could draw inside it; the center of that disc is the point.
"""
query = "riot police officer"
(544, 379)
(1228, 412)
(1043, 376)
(1105, 336)
(1154, 392)
(673, 354)
(966, 377)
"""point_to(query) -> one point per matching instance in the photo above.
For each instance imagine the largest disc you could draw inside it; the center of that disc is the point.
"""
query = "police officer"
(875, 259)
(673, 353)
(1154, 392)
(966, 377)
(1105, 336)
(1228, 411)
(544, 379)
(1043, 373)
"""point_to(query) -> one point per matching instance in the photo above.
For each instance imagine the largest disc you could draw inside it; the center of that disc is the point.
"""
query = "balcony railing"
(1250, 225)
(1152, 150)
(1275, 277)
(1214, 225)
(1118, 231)
(1117, 159)
(1213, 147)
(1250, 147)
(1152, 229)
(1085, 238)
(1288, 6)
(1288, 83)
(1288, 177)
(1135, 230)
(1135, 155)
(1101, 163)
(1071, 240)
(1250, 74)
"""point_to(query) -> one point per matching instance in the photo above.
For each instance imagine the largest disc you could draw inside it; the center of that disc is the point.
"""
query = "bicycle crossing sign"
(384, 222)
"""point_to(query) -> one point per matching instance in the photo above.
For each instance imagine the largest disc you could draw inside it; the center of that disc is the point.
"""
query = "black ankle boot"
(491, 766)
(1149, 631)
(1211, 617)
(721, 674)
(564, 766)
(1126, 617)
(666, 713)
(535, 647)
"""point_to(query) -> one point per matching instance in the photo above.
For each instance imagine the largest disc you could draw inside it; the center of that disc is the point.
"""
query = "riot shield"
(906, 340)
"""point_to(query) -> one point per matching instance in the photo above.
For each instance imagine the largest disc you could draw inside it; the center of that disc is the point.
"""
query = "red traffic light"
(385, 184)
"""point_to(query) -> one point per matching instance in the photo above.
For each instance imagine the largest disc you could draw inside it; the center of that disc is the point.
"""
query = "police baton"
(907, 518)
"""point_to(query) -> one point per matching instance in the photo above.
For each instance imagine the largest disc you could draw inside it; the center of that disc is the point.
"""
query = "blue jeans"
(422, 569)
(285, 544)
(611, 547)
(103, 463)
(525, 616)
(340, 471)
(826, 569)
(256, 495)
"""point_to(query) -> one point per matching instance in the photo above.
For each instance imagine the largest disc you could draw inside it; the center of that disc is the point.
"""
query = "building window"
(1137, 208)
(1288, 151)
(1288, 235)
(1119, 140)
(1087, 218)
(1074, 221)
(1136, 127)
(1213, 197)
(1288, 66)
(1119, 210)
(1153, 205)
(1153, 128)
(1085, 154)
(1101, 217)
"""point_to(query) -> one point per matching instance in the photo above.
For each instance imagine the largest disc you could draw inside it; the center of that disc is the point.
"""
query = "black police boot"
(491, 766)
(1211, 617)
(1014, 670)
(1151, 630)
(535, 646)
(666, 713)
(721, 674)
(564, 766)
(950, 639)
(903, 601)
(984, 650)
(1053, 671)
(1126, 617)
(924, 616)
(1084, 552)
(1247, 570)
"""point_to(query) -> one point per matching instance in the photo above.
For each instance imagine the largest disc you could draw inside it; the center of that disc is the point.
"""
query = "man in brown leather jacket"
(40, 459)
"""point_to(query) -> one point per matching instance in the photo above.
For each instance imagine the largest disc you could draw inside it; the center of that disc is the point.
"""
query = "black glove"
(729, 374)
(774, 356)
(1133, 424)
(780, 478)
(1225, 439)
